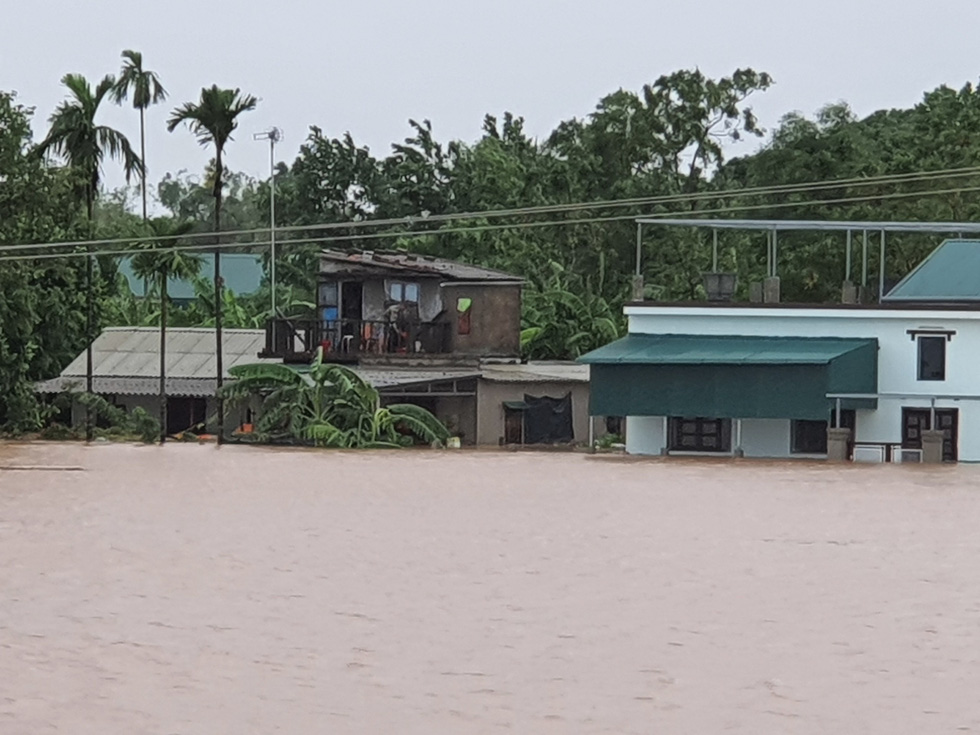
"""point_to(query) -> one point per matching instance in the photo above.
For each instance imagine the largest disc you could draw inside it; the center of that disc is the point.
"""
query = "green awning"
(730, 376)
(516, 405)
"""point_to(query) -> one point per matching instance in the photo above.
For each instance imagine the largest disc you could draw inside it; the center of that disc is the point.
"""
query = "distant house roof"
(951, 273)
(242, 273)
(383, 263)
(127, 362)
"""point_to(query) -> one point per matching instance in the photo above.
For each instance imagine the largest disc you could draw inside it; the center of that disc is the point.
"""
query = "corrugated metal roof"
(126, 361)
(693, 349)
(951, 272)
(389, 378)
(537, 372)
(130, 386)
(134, 352)
(335, 261)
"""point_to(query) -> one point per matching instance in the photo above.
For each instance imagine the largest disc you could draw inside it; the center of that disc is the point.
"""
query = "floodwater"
(196, 590)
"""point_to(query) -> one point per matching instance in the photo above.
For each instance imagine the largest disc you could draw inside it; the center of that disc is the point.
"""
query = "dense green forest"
(557, 211)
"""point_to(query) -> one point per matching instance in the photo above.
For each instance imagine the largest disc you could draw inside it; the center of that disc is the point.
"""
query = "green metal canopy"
(730, 376)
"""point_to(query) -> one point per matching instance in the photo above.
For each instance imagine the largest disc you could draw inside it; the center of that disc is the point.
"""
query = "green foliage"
(41, 302)
(137, 423)
(327, 406)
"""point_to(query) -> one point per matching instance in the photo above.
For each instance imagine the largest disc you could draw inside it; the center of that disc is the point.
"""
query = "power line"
(487, 228)
(911, 177)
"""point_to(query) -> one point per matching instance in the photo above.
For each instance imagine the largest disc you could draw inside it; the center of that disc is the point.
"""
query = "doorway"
(917, 420)
(351, 312)
(513, 425)
(185, 413)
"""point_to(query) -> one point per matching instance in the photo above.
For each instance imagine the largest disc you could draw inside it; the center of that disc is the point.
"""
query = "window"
(809, 437)
(932, 358)
(700, 434)
(328, 294)
(463, 315)
(403, 292)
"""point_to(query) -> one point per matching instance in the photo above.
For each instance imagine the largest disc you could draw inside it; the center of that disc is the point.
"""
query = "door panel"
(917, 420)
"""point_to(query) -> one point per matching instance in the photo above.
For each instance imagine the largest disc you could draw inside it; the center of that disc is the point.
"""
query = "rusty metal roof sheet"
(399, 262)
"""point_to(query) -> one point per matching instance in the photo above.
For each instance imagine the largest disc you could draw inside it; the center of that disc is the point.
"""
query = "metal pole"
(837, 415)
(272, 220)
(775, 253)
(639, 246)
(864, 265)
(847, 272)
(714, 251)
(881, 269)
(91, 413)
(932, 415)
(768, 253)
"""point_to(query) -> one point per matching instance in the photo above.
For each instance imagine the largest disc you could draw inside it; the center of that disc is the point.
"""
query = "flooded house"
(889, 381)
(437, 333)
(441, 334)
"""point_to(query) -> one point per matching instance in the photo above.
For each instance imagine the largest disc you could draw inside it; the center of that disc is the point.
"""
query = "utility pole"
(273, 135)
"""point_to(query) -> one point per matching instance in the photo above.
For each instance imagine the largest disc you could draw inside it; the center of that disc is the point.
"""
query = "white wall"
(765, 437)
(645, 435)
(897, 356)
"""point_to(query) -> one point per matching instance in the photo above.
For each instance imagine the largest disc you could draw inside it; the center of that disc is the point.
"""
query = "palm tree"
(147, 90)
(75, 136)
(329, 406)
(213, 119)
(163, 262)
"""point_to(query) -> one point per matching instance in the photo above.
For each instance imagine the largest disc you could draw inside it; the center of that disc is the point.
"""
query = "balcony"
(296, 340)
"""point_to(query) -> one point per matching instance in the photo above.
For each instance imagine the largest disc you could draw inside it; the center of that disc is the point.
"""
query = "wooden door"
(513, 426)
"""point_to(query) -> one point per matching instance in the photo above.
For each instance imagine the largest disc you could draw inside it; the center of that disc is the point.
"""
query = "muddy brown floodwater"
(196, 591)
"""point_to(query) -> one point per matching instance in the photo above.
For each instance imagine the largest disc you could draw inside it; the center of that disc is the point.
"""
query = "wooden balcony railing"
(299, 338)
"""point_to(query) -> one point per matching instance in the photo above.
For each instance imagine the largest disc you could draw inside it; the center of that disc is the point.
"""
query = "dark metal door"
(917, 420)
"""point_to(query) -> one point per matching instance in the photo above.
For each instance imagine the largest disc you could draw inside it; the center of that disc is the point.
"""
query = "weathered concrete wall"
(490, 407)
(495, 319)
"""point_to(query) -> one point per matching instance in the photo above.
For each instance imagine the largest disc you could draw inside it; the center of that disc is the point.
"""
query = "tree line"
(569, 198)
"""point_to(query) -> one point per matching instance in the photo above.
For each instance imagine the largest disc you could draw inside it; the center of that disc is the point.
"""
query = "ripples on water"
(194, 590)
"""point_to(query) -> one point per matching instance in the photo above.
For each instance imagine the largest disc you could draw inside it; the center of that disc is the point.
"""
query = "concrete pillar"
(638, 290)
(864, 295)
(837, 444)
(755, 292)
(932, 446)
(849, 293)
(770, 290)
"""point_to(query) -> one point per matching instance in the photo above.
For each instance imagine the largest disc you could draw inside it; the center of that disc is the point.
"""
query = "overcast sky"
(369, 66)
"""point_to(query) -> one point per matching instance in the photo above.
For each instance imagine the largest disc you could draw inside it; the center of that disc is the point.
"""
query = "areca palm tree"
(163, 262)
(84, 144)
(146, 90)
(213, 119)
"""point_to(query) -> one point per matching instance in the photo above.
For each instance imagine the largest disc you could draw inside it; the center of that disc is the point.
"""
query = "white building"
(766, 380)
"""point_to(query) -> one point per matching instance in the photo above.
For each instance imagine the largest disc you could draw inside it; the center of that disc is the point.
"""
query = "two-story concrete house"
(892, 381)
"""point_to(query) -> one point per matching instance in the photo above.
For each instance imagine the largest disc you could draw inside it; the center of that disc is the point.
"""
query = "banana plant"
(327, 405)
